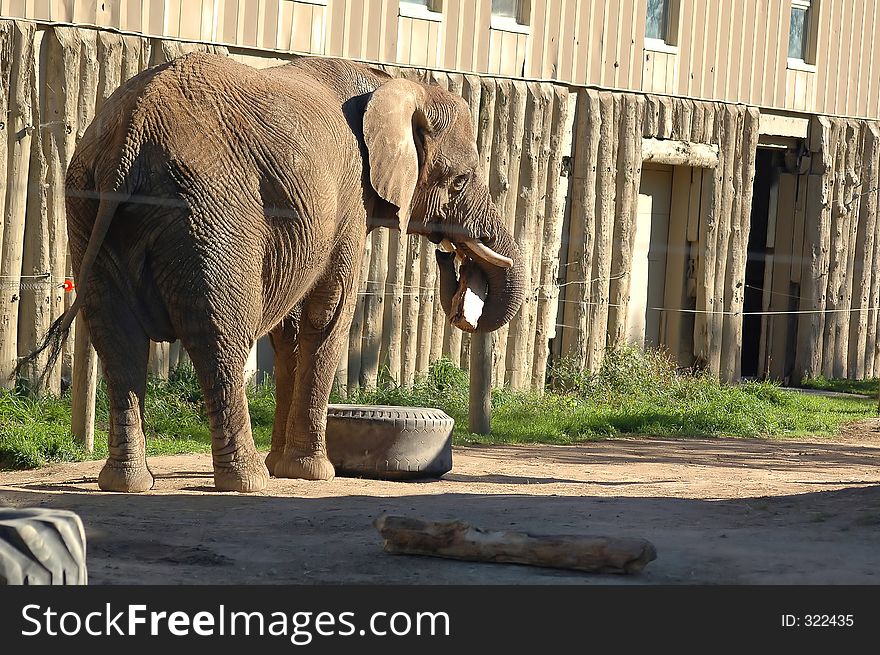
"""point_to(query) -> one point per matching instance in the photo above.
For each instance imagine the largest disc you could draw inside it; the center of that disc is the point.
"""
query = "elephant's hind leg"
(124, 350)
(283, 338)
(237, 466)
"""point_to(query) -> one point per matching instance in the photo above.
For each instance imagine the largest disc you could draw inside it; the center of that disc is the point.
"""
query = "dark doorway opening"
(765, 176)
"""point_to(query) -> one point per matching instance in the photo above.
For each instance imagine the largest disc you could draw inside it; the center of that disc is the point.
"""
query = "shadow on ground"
(823, 537)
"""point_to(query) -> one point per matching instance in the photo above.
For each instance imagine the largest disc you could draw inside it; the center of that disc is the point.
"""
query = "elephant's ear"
(388, 134)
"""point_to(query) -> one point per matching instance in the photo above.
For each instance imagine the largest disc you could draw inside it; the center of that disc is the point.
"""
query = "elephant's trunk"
(506, 287)
(502, 287)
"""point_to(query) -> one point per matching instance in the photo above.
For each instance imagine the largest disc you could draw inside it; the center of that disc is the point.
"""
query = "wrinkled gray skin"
(212, 202)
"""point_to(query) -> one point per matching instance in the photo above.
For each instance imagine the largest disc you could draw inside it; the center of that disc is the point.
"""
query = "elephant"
(213, 202)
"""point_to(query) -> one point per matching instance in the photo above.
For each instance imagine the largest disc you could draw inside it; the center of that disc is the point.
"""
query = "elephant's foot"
(246, 474)
(125, 476)
(309, 467)
(272, 460)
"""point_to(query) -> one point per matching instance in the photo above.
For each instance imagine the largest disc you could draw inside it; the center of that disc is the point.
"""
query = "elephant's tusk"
(446, 246)
(488, 255)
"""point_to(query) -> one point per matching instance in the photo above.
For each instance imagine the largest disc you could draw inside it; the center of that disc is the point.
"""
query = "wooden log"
(651, 117)
(863, 250)
(817, 225)
(392, 322)
(713, 183)
(356, 329)
(86, 98)
(529, 189)
(461, 541)
(110, 50)
(135, 54)
(514, 147)
(697, 123)
(578, 274)
(606, 187)
(499, 170)
(36, 291)
(480, 383)
(554, 211)
(548, 181)
(731, 129)
(665, 119)
(427, 281)
(159, 363)
(83, 389)
(20, 123)
(629, 173)
(682, 119)
(7, 48)
(869, 200)
(739, 241)
(62, 49)
(679, 153)
(374, 308)
(837, 254)
(477, 347)
(412, 295)
(852, 183)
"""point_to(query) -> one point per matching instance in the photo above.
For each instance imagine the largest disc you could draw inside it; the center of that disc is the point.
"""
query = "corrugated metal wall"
(733, 50)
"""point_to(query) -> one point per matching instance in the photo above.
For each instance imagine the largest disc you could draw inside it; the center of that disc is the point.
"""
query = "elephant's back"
(204, 108)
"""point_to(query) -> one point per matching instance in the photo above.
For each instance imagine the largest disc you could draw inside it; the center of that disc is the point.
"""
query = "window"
(661, 25)
(799, 33)
(430, 5)
(426, 9)
(657, 22)
(511, 15)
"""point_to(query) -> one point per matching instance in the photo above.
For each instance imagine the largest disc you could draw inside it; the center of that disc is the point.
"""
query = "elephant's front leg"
(326, 318)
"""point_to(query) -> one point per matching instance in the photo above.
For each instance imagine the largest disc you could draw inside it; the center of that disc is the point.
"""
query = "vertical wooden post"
(19, 121)
(35, 294)
(814, 277)
(355, 332)
(837, 245)
(513, 146)
(83, 389)
(554, 211)
(629, 174)
(85, 360)
(480, 392)
(740, 222)
(862, 340)
(577, 308)
(851, 180)
(374, 305)
(604, 246)
(529, 189)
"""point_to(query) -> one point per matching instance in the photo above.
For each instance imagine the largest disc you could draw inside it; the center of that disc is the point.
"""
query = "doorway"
(756, 257)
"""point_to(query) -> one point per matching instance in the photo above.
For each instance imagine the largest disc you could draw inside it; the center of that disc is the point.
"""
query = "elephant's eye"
(459, 182)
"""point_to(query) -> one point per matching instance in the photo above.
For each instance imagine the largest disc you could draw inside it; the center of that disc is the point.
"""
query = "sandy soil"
(728, 511)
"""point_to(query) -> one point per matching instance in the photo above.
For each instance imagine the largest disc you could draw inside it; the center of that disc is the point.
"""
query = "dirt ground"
(719, 511)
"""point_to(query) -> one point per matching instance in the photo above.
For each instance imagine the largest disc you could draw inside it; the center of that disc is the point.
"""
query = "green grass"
(868, 387)
(633, 393)
(36, 431)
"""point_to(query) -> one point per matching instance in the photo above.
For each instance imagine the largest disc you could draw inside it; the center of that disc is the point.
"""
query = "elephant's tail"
(60, 328)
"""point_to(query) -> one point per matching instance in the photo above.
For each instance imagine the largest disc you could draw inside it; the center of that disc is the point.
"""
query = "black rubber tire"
(390, 443)
(40, 546)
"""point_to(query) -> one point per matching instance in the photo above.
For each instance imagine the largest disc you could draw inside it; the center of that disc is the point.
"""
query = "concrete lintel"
(679, 153)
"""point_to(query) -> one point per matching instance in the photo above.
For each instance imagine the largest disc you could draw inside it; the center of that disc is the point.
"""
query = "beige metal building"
(694, 174)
